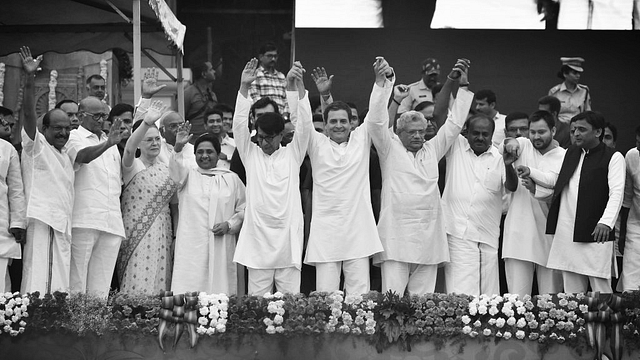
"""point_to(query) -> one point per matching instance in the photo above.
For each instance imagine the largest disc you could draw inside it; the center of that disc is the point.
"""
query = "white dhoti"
(473, 269)
(93, 261)
(46, 263)
(630, 278)
(5, 280)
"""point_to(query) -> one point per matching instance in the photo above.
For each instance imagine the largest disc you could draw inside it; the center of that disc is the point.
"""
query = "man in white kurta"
(472, 203)
(630, 277)
(343, 232)
(589, 260)
(411, 225)
(97, 227)
(12, 211)
(525, 246)
(271, 239)
(48, 177)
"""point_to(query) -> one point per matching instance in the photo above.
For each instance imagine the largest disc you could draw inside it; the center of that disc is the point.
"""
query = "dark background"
(519, 66)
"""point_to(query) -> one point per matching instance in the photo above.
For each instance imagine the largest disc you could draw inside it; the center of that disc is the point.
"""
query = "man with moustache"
(269, 81)
(476, 179)
(526, 246)
(587, 197)
(421, 90)
(411, 223)
(214, 124)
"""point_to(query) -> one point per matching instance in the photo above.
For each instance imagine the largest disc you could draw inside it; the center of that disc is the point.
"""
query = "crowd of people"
(433, 177)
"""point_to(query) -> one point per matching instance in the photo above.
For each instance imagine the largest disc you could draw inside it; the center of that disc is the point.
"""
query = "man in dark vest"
(587, 197)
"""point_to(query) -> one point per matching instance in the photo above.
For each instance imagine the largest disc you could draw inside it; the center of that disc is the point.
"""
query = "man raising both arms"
(343, 230)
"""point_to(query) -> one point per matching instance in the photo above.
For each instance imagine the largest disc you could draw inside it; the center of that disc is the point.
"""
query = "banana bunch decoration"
(180, 310)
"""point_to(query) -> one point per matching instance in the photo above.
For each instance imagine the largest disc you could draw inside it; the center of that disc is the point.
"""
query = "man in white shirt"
(630, 212)
(411, 223)
(48, 180)
(476, 178)
(587, 197)
(525, 245)
(271, 239)
(343, 232)
(486, 104)
(97, 220)
(214, 124)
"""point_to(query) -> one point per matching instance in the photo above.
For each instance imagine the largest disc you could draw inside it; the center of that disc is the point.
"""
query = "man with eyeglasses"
(271, 239)
(97, 227)
(411, 226)
(270, 82)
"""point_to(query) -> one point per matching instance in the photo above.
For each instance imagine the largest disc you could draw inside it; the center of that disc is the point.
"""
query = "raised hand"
(150, 83)
(249, 73)
(322, 80)
(382, 70)
(400, 92)
(460, 69)
(29, 64)
(183, 135)
(154, 112)
(295, 75)
(115, 132)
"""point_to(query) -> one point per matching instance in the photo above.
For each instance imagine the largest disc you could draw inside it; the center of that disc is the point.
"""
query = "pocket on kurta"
(493, 182)
(267, 220)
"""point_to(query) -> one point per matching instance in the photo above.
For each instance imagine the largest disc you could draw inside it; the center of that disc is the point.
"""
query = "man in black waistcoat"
(587, 197)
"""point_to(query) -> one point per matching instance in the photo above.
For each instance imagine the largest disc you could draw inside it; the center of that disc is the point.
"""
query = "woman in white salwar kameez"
(211, 205)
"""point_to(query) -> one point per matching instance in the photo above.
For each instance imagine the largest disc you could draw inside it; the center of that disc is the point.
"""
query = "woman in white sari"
(211, 206)
(145, 259)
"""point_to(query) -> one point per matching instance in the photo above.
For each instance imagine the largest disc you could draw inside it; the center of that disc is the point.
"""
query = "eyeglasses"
(429, 118)
(415, 132)
(174, 126)
(97, 116)
(266, 138)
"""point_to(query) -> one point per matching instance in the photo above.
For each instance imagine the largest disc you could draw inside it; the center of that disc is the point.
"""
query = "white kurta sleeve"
(378, 114)
(544, 178)
(17, 203)
(627, 201)
(179, 168)
(543, 193)
(616, 177)
(454, 123)
(303, 124)
(236, 220)
(241, 133)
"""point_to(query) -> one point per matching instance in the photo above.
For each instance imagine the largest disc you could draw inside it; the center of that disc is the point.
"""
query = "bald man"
(97, 227)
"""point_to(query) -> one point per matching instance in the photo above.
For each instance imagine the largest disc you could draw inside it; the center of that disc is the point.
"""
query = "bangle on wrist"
(465, 84)
(452, 79)
(396, 101)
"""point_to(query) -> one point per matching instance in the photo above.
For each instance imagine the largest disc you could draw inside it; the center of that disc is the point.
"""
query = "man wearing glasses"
(271, 240)
(269, 81)
(97, 227)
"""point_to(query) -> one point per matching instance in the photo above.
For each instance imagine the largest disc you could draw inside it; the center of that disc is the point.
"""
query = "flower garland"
(276, 308)
(2, 71)
(104, 73)
(53, 83)
(213, 313)
(13, 308)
